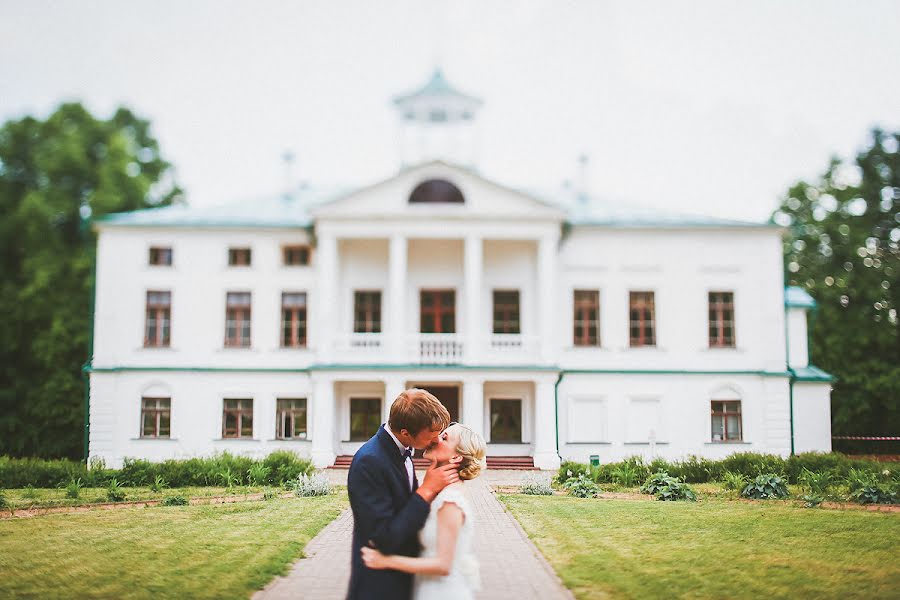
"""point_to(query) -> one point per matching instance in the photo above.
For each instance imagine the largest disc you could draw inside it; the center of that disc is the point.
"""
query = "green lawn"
(216, 551)
(712, 549)
(53, 497)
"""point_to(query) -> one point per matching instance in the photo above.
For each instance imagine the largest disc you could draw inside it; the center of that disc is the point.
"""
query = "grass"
(51, 497)
(712, 549)
(209, 551)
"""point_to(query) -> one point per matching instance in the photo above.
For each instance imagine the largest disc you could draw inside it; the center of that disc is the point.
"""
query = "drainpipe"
(556, 411)
(791, 375)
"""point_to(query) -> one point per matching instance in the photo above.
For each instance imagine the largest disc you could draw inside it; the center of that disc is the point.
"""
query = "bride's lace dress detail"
(463, 579)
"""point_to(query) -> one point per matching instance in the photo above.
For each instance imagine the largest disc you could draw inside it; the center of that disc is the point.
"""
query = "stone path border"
(511, 566)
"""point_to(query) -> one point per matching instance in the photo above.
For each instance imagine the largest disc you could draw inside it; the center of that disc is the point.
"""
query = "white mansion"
(292, 323)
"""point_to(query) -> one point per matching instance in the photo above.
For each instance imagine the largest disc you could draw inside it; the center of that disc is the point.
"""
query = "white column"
(473, 404)
(392, 388)
(325, 296)
(547, 293)
(323, 423)
(396, 325)
(473, 338)
(545, 456)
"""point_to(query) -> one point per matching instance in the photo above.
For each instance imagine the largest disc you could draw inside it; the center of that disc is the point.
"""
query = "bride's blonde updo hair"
(472, 448)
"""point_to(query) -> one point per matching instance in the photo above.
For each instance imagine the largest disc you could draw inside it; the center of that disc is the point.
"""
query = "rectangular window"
(155, 417)
(506, 311)
(506, 421)
(366, 312)
(586, 311)
(293, 319)
(437, 311)
(642, 315)
(239, 257)
(721, 319)
(295, 255)
(159, 318)
(237, 320)
(365, 418)
(726, 421)
(161, 257)
(290, 419)
(237, 418)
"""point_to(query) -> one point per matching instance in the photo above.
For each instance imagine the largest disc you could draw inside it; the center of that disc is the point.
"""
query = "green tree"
(54, 175)
(844, 249)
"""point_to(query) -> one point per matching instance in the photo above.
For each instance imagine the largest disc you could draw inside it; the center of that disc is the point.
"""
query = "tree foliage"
(844, 249)
(54, 175)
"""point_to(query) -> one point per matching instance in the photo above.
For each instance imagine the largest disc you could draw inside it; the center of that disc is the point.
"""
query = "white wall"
(681, 267)
(607, 414)
(812, 417)
(196, 413)
(198, 279)
(797, 337)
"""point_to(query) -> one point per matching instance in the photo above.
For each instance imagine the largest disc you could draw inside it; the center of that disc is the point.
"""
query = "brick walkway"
(511, 567)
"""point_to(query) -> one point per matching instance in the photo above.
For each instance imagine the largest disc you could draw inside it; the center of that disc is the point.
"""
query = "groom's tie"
(407, 454)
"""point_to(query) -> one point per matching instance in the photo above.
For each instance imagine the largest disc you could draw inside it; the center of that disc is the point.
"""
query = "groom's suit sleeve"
(371, 503)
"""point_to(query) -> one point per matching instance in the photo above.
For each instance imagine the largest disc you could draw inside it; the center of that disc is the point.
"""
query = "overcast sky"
(701, 107)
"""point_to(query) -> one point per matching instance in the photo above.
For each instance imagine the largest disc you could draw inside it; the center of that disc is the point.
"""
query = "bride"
(447, 567)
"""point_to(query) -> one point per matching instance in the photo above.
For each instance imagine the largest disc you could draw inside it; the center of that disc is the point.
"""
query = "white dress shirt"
(408, 462)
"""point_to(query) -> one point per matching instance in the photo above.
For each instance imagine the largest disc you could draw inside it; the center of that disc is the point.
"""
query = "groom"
(389, 506)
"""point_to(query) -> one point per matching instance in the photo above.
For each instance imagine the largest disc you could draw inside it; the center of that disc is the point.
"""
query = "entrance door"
(449, 397)
(365, 418)
(506, 421)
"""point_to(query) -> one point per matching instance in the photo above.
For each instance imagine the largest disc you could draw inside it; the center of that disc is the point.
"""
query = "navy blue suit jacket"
(386, 512)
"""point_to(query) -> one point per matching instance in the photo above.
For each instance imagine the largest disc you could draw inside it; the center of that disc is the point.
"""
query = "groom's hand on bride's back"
(436, 479)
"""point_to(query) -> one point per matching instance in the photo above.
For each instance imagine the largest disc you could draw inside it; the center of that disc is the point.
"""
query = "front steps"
(515, 463)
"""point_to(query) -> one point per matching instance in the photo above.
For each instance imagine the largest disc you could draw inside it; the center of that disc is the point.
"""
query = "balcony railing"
(437, 348)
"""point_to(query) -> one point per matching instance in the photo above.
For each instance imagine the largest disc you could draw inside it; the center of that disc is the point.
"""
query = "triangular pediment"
(482, 199)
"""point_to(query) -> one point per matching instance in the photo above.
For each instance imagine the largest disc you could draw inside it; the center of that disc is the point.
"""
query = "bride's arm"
(449, 521)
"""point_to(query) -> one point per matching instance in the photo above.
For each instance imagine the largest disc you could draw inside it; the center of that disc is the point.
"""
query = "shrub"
(315, 485)
(258, 474)
(582, 486)
(695, 469)
(858, 479)
(270, 493)
(175, 501)
(752, 464)
(4, 503)
(876, 494)
(73, 489)
(535, 485)
(569, 469)
(766, 486)
(285, 466)
(626, 475)
(114, 491)
(30, 493)
(666, 487)
(816, 484)
(229, 478)
(655, 482)
(734, 481)
(19, 472)
(158, 484)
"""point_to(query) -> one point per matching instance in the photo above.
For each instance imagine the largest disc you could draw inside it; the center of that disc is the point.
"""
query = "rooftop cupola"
(437, 122)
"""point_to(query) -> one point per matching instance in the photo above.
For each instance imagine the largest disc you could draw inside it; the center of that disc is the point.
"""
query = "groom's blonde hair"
(416, 409)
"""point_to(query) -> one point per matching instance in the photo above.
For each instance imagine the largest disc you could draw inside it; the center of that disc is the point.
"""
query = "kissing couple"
(414, 540)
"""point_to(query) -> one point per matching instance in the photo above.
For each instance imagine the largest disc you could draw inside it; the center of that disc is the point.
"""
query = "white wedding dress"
(463, 580)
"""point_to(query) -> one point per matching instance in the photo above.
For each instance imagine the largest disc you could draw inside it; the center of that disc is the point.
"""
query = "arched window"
(436, 191)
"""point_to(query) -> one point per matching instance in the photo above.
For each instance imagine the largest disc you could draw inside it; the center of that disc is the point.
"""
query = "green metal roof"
(272, 212)
(797, 297)
(437, 86)
(295, 211)
(811, 373)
